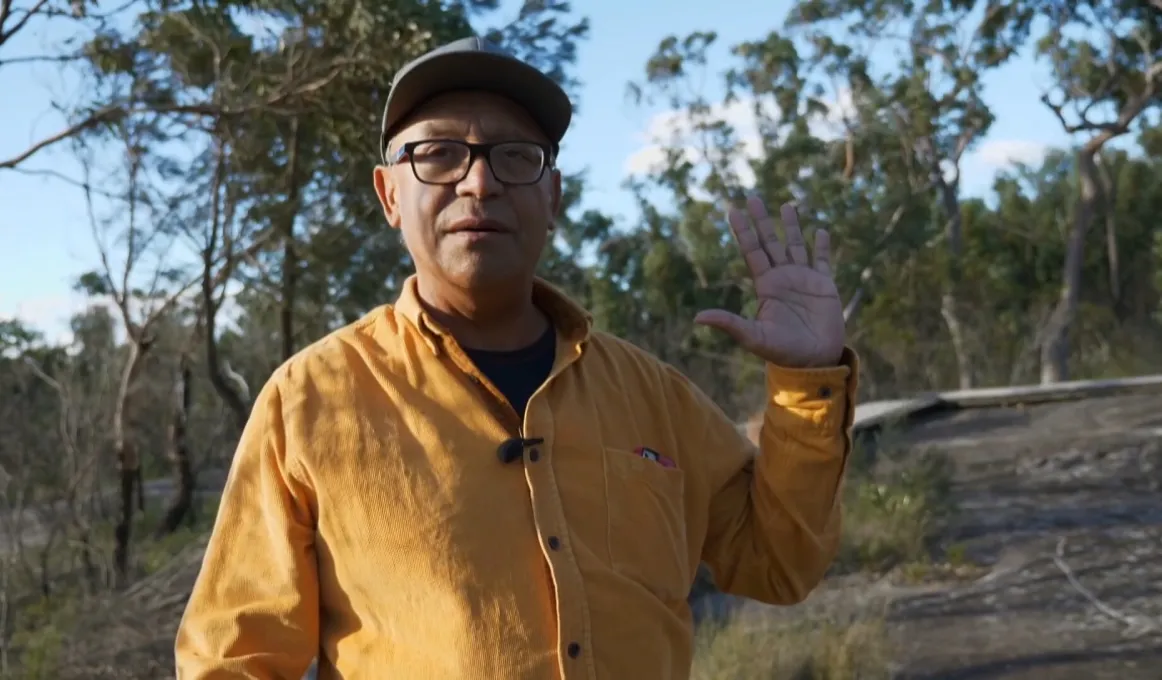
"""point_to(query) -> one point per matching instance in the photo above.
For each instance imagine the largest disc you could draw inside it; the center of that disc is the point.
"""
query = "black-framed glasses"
(446, 161)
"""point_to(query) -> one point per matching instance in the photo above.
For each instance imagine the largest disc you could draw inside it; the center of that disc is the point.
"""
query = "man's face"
(437, 221)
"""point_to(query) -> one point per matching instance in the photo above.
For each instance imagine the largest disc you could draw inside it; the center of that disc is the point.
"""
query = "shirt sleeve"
(774, 514)
(253, 611)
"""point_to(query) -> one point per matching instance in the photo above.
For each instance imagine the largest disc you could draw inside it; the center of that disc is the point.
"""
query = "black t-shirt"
(518, 373)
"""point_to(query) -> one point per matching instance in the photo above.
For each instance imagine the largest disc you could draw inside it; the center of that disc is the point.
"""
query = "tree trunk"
(950, 309)
(128, 465)
(237, 403)
(88, 566)
(855, 304)
(238, 406)
(289, 257)
(182, 502)
(1109, 198)
(1055, 346)
(1055, 349)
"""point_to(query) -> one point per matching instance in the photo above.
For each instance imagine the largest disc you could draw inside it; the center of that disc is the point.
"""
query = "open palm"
(799, 321)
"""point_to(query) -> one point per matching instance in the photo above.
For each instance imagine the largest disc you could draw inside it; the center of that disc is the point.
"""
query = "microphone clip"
(511, 450)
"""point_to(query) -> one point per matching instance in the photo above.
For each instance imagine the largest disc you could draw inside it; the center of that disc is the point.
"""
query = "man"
(473, 482)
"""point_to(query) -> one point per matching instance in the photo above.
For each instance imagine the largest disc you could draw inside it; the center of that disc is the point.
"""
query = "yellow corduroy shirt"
(368, 520)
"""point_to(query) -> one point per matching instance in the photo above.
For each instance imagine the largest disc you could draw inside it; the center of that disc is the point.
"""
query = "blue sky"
(45, 238)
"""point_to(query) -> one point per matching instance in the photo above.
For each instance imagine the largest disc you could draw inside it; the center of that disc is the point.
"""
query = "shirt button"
(825, 392)
(574, 650)
(534, 455)
(554, 543)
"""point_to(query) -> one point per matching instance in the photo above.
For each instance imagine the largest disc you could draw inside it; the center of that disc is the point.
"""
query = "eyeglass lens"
(447, 161)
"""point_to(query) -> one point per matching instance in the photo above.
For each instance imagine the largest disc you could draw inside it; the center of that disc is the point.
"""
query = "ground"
(1083, 478)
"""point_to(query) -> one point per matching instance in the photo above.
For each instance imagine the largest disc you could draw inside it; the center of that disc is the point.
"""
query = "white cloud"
(674, 129)
(680, 130)
(980, 167)
(51, 314)
(48, 314)
(1001, 154)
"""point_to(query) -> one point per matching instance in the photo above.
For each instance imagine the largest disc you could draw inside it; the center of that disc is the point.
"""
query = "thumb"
(732, 324)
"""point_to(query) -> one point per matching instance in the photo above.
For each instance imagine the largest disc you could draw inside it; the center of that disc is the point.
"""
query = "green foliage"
(892, 519)
(40, 638)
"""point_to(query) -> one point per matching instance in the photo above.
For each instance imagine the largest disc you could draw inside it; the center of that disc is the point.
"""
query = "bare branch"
(42, 59)
(103, 116)
(1136, 624)
(80, 184)
(283, 101)
(6, 14)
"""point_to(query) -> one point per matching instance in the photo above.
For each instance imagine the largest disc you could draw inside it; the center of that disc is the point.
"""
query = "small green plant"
(956, 555)
(891, 518)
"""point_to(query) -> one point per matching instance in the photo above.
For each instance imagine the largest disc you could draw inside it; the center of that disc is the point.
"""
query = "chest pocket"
(647, 525)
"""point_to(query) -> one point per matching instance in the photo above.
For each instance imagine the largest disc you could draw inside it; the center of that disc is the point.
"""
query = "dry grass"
(129, 636)
(817, 646)
(78, 634)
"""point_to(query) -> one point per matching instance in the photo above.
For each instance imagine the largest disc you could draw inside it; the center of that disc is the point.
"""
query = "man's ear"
(388, 192)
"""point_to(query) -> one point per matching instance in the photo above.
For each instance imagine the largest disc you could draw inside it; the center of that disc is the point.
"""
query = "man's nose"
(479, 182)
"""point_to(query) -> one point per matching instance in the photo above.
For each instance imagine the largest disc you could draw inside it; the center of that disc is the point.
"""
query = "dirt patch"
(1058, 528)
(1062, 503)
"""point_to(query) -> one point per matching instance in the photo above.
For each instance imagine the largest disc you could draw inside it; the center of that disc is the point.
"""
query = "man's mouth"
(476, 226)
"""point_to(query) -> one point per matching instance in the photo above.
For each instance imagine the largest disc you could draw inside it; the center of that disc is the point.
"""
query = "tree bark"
(950, 308)
(128, 462)
(289, 257)
(1108, 184)
(182, 502)
(1055, 346)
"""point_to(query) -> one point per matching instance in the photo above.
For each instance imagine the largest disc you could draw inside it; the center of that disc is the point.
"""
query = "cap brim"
(540, 95)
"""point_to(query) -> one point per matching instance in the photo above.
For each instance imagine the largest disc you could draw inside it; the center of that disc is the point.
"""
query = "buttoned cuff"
(821, 398)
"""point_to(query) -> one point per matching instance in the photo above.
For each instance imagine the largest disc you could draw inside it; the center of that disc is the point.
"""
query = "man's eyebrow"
(452, 131)
(438, 130)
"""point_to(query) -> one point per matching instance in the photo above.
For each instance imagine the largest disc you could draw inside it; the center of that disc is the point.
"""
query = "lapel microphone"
(511, 450)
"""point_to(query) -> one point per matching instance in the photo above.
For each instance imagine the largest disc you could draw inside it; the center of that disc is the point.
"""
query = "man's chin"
(476, 272)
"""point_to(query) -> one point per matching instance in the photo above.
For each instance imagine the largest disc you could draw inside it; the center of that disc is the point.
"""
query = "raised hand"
(799, 322)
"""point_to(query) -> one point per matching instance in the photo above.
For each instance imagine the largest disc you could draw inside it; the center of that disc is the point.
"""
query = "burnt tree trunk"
(128, 463)
(181, 504)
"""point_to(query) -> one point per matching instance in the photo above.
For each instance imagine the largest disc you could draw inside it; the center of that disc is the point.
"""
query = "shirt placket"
(574, 639)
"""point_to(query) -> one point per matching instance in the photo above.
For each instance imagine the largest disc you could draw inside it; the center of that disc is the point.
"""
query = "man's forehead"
(460, 114)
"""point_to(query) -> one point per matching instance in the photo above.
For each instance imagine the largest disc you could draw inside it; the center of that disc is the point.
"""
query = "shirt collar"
(572, 321)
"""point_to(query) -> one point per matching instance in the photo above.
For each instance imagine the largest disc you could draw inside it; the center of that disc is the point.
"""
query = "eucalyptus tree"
(1106, 60)
(932, 98)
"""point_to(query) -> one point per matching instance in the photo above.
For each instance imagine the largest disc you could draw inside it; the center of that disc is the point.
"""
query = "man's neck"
(497, 320)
